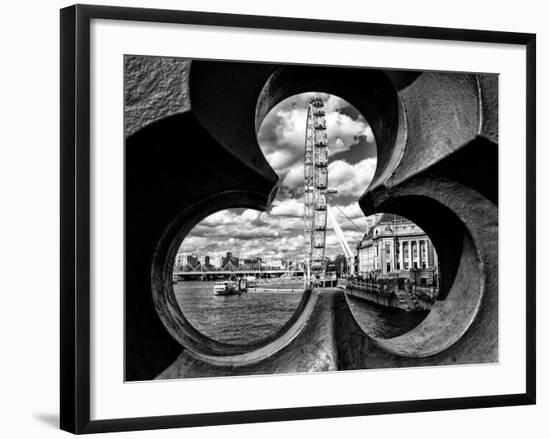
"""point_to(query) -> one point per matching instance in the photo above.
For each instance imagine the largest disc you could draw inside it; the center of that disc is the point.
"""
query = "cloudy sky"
(278, 234)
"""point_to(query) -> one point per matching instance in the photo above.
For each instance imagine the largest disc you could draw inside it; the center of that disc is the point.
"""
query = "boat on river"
(226, 288)
(230, 287)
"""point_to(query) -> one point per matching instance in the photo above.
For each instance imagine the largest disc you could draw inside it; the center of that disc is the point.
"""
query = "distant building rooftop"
(390, 218)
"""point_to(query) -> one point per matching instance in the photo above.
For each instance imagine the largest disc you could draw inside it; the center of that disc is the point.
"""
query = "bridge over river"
(226, 274)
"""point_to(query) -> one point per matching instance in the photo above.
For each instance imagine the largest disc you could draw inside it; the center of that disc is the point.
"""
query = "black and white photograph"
(272, 220)
(297, 218)
(275, 219)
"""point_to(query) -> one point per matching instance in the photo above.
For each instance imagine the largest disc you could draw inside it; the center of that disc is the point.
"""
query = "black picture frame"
(75, 217)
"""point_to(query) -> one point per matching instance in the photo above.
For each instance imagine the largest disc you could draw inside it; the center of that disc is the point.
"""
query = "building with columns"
(394, 246)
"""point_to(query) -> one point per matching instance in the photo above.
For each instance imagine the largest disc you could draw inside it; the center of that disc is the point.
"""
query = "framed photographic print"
(269, 218)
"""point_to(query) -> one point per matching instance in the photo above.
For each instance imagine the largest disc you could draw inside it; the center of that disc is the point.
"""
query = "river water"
(252, 316)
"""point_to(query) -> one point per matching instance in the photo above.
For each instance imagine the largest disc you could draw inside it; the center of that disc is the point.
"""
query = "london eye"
(315, 188)
(316, 208)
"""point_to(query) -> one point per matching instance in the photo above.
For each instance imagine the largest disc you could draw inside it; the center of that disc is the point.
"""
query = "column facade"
(401, 258)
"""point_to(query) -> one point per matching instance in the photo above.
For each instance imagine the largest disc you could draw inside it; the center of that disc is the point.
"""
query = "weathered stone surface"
(171, 166)
(489, 104)
(442, 115)
(154, 88)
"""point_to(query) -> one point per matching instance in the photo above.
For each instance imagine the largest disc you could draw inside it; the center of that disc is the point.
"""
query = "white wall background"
(29, 186)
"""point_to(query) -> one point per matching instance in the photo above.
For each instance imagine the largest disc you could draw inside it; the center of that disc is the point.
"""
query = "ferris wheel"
(315, 187)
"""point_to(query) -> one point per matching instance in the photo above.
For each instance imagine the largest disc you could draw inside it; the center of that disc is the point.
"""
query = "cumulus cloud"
(279, 236)
(279, 233)
(351, 180)
(294, 177)
(221, 217)
(289, 207)
(282, 159)
(344, 132)
(351, 211)
(282, 133)
(333, 103)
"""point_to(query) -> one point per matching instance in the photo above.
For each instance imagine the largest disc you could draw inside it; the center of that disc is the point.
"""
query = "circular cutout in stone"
(239, 273)
(397, 279)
